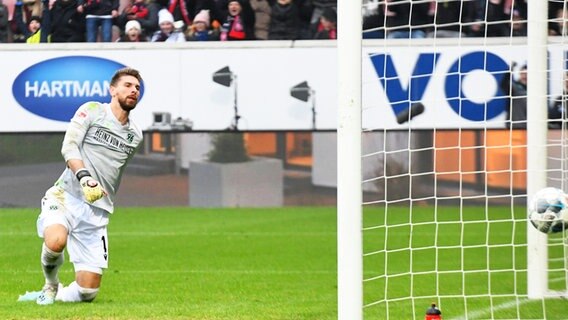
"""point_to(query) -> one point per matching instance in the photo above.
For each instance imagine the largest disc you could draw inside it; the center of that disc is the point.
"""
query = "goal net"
(462, 119)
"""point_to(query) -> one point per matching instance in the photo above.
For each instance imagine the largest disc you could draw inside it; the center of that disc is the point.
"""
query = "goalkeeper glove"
(91, 188)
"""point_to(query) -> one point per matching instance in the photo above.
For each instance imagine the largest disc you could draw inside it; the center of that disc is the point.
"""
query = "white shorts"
(87, 240)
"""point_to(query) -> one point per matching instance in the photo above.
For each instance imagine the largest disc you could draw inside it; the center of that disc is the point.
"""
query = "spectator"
(518, 24)
(201, 28)
(516, 89)
(215, 16)
(33, 31)
(186, 10)
(32, 7)
(99, 13)
(223, 8)
(318, 8)
(239, 24)
(67, 24)
(284, 21)
(327, 28)
(18, 24)
(168, 32)
(133, 33)
(374, 21)
(262, 14)
(559, 108)
(139, 9)
(4, 24)
(558, 25)
(498, 18)
(148, 21)
(452, 18)
(179, 10)
(406, 19)
(477, 27)
(306, 10)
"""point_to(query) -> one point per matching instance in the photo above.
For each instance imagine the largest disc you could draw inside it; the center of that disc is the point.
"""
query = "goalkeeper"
(98, 143)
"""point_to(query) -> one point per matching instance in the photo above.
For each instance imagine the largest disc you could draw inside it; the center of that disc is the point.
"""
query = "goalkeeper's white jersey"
(105, 146)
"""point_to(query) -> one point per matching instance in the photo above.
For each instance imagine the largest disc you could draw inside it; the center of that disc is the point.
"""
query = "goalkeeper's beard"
(126, 105)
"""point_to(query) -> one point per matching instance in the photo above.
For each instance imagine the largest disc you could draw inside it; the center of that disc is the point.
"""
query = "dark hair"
(126, 71)
(36, 18)
(330, 15)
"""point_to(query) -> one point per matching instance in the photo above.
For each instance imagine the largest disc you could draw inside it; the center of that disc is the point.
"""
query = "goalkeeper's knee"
(88, 294)
(76, 293)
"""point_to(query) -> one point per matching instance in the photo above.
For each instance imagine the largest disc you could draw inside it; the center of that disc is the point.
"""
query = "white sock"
(69, 293)
(50, 263)
(74, 293)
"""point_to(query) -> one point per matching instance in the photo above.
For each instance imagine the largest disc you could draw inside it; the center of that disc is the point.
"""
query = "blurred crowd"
(455, 18)
(36, 21)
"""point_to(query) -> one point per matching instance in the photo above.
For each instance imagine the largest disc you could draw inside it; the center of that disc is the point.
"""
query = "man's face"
(523, 76)
(126, 92)
(234, 8)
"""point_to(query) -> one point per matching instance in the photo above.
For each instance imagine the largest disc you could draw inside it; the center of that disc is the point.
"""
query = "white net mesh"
(445, 158)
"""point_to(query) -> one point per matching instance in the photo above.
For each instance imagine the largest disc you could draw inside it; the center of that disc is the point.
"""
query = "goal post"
(349, 190)
(537, 129)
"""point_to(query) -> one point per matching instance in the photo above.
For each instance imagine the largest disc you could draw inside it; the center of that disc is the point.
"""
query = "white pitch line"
(185, 271)
(481, 314)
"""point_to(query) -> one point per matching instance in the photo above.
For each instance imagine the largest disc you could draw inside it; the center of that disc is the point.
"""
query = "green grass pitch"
(182, 263)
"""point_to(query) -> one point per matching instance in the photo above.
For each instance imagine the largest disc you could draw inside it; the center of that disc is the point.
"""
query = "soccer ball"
(548, 210)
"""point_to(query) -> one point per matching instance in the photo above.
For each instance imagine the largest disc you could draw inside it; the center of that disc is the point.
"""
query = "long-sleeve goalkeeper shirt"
(104, 145)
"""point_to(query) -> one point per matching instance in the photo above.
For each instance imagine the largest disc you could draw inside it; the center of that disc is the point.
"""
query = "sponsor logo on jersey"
(111, 141)
(55, 88)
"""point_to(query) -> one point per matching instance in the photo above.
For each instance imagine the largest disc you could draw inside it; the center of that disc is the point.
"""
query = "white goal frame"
(349, 184)
(537, 41)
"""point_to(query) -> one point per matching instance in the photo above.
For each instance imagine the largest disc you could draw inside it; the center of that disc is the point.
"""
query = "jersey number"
(104, 247)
